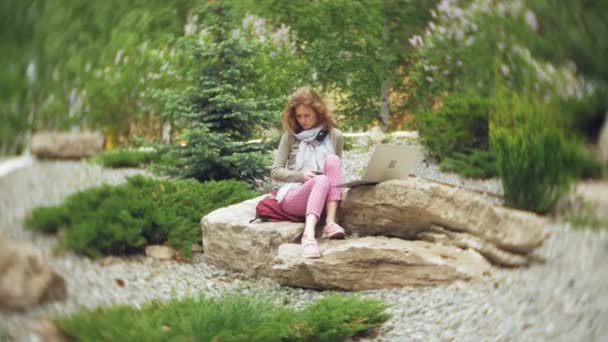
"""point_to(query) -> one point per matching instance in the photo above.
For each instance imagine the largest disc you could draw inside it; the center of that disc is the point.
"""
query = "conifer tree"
(224, 109)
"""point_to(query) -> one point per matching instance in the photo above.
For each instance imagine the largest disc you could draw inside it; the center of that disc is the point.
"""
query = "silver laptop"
(388, 162)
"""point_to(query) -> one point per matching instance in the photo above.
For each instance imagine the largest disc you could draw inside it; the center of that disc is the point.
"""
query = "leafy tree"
(355, 50)
(574, 31)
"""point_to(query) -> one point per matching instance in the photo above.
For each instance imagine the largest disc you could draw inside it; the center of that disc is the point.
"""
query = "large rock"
(26, 279)
(53, 145)
(408, 208)
(439, 234)
(273, 250)
(377, 262)
(230, 241)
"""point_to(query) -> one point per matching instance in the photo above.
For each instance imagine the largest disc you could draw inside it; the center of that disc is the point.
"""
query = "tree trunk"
(166, 132)
(384, 103)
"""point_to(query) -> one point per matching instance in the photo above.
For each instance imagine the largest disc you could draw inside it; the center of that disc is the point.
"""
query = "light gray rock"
(54, 145)
(26, 279)
(463, 240)
(406, 208)
(230, 241)
(159, 252)
(272, 249)
(375, 263)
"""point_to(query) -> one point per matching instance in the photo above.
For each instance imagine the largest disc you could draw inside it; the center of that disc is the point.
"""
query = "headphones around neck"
(321, 135)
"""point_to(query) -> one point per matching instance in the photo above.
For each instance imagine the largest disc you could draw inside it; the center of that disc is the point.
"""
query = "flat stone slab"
(375, 263)
(407, 208)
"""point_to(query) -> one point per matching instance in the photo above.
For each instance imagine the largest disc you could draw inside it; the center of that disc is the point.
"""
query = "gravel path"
(564, 299)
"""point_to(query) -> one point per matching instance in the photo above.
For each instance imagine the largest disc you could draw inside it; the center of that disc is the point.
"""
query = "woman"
(308, 160)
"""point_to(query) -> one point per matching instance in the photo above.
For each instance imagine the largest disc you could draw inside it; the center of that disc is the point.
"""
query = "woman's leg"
(308, 200)
(333, 171)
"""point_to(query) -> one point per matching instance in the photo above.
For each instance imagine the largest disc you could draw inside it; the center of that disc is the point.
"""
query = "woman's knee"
(332, 159)
(321, 181)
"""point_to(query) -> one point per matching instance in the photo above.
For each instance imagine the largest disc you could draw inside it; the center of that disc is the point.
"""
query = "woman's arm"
(279, 171)
(338, 141)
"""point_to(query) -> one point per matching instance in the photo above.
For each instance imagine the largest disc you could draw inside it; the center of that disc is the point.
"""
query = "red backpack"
(269, 210)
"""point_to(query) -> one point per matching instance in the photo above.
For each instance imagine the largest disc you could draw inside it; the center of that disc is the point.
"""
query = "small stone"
(159, 252)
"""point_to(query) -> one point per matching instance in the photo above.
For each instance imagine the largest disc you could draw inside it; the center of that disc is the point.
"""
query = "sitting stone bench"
(401, 233)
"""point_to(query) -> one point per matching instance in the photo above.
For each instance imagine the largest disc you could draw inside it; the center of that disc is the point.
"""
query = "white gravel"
(564, 299)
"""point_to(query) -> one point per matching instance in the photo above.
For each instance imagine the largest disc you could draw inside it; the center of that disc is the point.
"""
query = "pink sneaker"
(333, 231)
(311, 248)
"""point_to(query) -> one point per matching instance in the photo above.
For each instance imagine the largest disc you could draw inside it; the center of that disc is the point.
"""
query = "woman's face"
(306, 116)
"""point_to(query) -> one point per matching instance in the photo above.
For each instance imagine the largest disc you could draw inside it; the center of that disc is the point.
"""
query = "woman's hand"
(308, 175)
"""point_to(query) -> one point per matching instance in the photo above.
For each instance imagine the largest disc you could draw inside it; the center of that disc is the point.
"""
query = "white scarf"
(310, 156)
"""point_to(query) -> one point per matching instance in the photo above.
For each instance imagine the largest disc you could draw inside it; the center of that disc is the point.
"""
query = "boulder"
(407, 208)
(377, 262)
(54, 145)
(272, 249)
(230, 241)
(27, 280)
(402, 233)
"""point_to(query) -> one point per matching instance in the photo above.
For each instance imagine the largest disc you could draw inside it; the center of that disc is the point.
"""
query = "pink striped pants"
(311, 197)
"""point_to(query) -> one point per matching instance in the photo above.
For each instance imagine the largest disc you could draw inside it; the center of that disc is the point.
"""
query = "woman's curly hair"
(308, 97)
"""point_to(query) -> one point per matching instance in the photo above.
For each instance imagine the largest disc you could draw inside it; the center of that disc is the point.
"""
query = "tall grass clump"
(126, 158)
(123, 219)
(228, 318)
(537, 162)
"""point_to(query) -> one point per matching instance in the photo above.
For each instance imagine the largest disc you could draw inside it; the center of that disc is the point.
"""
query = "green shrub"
(126, 158)
(231, 318)
(460, 124)
(337, 317)
(48, 219)
(532, 167)
(473, 164)
(536, 161)
(586, 114)
(125, 218)
(456, 134)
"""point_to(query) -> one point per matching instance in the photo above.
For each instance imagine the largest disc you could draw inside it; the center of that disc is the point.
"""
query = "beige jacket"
(285, 159)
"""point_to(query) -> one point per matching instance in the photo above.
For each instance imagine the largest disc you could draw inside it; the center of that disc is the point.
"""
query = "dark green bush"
(586, 114)
(126, 158)
(125, 218)
(48, 219)
(460, 124)
(456, 134)
(231, 318)
(337, 317)
(473, 164)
